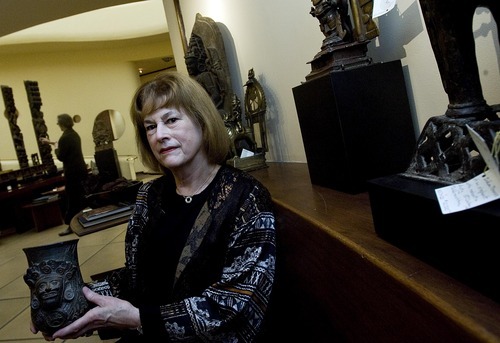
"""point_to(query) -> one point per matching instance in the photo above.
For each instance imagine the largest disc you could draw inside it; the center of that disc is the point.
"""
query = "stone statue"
(206, 62)
(199, 66)
(55, 282)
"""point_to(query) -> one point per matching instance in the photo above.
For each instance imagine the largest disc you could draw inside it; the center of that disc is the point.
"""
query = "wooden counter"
(337, 281)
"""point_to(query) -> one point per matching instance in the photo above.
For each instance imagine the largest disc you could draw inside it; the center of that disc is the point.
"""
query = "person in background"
(68, 150)
(200, 246)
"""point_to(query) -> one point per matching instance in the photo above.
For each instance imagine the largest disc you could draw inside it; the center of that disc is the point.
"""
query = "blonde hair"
(179, 91)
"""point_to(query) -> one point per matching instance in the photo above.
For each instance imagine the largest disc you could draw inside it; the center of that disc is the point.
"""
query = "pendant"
(188, 199)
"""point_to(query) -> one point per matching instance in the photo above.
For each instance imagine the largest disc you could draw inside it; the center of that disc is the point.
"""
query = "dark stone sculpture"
(105, 155)
(102, 132)
(55, 282)
(206, 62)
(445, 151)
(199, 67)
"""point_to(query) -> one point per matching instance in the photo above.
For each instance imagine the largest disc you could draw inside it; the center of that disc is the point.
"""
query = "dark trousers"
(75, 198)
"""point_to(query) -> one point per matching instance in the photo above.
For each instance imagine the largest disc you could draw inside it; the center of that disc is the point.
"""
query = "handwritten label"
(480, 190)
(477, 191)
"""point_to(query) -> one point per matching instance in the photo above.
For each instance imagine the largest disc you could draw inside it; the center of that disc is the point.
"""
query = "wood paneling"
(337, 281)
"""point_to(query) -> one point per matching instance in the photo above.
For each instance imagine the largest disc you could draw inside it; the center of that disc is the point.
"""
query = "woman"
(200, 245)
(68, 150)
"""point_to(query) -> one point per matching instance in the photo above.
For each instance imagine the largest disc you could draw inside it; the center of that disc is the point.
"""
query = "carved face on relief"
(49, 291)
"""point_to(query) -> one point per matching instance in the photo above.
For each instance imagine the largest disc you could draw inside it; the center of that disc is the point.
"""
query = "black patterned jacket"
(226, 272)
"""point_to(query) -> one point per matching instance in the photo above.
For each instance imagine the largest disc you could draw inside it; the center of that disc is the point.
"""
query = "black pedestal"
(356, 125)
(464, 244)
(108, 165)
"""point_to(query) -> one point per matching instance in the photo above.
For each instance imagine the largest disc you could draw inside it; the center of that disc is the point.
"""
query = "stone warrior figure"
(199, 66)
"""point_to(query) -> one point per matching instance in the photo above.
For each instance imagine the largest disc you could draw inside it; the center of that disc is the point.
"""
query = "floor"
(97, 252)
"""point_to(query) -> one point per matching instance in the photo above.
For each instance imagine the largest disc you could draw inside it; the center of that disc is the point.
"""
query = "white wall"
(277, 38)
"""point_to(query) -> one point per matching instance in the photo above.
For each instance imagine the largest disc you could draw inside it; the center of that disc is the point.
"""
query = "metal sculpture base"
(56, 283)
(258, 161)
(339, 57)
(445, 152)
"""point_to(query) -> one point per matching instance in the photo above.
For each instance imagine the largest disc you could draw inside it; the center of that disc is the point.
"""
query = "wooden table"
(11, 203)
(79, 230)
(45, 214)
(338, 281)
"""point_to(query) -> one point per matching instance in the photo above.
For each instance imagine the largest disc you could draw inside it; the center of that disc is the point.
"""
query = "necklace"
(189, 198)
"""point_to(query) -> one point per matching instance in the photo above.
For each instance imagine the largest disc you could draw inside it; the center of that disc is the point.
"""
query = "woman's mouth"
(166, 150)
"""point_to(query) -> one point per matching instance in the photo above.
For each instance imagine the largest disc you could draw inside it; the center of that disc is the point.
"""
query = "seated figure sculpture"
(346, 39)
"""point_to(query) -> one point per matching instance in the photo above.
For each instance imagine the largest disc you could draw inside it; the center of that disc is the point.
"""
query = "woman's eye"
(150, 127)
(171, 120)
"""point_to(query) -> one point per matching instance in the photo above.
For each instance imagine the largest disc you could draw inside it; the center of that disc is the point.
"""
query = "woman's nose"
(162, 132)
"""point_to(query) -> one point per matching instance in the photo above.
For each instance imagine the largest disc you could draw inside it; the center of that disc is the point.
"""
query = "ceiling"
(30, 26)
(17, 15)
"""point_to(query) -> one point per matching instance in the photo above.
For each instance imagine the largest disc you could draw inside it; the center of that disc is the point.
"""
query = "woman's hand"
(109, 312)
(35, 331)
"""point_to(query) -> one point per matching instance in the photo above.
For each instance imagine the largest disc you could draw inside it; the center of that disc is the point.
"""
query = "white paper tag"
(246, 153)
(480, 190)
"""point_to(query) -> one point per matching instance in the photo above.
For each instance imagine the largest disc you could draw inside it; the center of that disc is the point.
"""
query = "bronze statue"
(255, 110)
(334, 20)
(345, 42)
(445, 151)
(449, 25)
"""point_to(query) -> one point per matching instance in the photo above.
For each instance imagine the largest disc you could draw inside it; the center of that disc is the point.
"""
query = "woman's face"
(174, 138)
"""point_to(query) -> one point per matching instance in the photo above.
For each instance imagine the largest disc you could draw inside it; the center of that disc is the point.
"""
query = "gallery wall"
(278, 38)
(82, 81)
